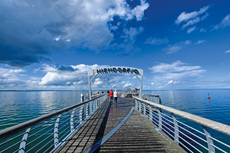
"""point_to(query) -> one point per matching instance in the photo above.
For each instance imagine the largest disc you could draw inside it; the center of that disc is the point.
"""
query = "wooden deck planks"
(136, 134)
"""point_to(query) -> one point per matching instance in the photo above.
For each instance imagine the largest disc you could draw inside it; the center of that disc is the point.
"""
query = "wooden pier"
(137, 134)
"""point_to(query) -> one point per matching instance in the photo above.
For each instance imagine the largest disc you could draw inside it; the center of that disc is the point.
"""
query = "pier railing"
(49, 132)
(201, 135)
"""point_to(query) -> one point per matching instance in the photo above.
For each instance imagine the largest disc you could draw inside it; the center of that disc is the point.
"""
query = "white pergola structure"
(108, 70)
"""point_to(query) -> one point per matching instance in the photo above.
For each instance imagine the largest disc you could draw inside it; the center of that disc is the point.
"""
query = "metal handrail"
(223, 128)
(181, 132)
(20, 127)
(39, 130)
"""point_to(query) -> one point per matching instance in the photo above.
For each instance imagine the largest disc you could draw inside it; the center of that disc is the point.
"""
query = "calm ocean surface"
(20, 106)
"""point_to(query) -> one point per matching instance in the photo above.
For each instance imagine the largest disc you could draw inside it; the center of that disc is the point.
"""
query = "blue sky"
(50, 45)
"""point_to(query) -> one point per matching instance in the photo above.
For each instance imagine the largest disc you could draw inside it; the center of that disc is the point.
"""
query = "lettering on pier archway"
(116, 70)
(110, 70)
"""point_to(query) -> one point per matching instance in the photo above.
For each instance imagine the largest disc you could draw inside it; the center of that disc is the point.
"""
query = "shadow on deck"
(135, 135)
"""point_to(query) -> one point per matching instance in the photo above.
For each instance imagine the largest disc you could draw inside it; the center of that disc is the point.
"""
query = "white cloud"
(173, 49)
(176, 72)
(191, 29)
(202, 30)
(127, 85)
(156, 41)
(97, 83)
(57, 76)
(187, 42)
(228, 51)
(171, 81)
(200, 41)
(152, 84)
(10, 80)
(191, 22)
(176, 47)
(138, 11)
(77, 82)
(224, 23)
(187, 16)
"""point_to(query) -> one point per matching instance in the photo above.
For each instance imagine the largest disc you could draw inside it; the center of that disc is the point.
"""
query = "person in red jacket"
(111, 96)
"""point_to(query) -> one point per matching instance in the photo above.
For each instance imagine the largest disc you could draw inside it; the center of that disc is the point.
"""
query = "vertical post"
(80, 114)
(91, 107)
(211, 149)
(89, 82)
(140, 106)
(23, 142)
(71, 121)
(141, 86)
(82, 98)
(87, 110)
(56, 141)
(150, 113)
(136, 104)
(176, 129)
(160, 119)
(144, 113)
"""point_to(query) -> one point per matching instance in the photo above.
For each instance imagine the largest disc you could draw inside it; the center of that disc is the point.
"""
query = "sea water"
(20, 106)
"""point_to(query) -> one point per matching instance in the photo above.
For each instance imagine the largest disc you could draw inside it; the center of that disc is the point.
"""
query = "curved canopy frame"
(122, 70)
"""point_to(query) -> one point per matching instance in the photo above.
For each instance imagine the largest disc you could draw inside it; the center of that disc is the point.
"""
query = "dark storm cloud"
(31, 30)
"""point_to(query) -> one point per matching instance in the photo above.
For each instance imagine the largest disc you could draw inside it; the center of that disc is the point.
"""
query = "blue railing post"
(144, 113)
(150, 113)
(71, 121)
(91, 107)
(87, 110)
(80, 113)
(139, 106)
(23, 142)
(159, 119)
(56, 141)
(211, 149)
(176, 129)
(136, 105)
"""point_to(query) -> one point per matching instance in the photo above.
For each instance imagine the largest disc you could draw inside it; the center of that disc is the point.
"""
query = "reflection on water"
(19, 106)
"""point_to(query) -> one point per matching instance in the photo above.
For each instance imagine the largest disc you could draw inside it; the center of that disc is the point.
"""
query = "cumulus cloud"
(224, 23)
(74, 74)
(156, 41)
(78, 77)
(176, 72)
(127, 85)
(30, 30)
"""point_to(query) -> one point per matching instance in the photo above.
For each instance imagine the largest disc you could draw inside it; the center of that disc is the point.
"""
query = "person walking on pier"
(111, 96)
(115, 95)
